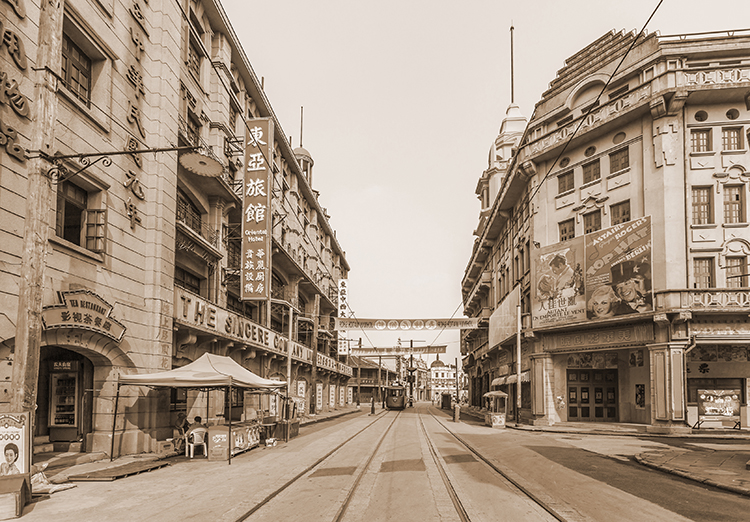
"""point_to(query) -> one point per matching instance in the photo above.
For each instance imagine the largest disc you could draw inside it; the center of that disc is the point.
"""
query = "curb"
(691, 476)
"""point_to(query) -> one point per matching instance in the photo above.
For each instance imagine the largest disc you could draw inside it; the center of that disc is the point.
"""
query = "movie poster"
(558, 291)
(618, 270)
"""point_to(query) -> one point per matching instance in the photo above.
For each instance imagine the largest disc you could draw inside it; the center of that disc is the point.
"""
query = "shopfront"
(600, 375)
(717, 385)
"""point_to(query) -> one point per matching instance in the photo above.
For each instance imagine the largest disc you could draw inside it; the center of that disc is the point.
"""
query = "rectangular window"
(567, 229)
(703, 212)
(619, 160)
(592, 221)
(591, 172)
(186, 280)
(565, 182)
(194, 61)
(736, 271)
(620, 213)
(734, 204)
(76, 70)
(703, 272)
(76, 222)
(731, 138)
(700, 140)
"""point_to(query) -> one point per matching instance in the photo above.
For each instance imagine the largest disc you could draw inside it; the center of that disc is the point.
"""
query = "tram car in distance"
(395, 397)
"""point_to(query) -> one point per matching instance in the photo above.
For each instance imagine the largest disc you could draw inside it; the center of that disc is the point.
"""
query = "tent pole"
(114, 423)
(229, 441)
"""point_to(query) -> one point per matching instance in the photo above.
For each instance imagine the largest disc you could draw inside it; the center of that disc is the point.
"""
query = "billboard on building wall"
(256, 212)
(504, 320)
(557, 295)
(618, 270)
(603, 274)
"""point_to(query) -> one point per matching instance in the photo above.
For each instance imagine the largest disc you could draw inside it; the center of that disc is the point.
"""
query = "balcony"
(193, 222)
(704, 300)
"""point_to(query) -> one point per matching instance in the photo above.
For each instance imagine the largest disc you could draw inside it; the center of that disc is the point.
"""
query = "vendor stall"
(207, 372)
(497, 409)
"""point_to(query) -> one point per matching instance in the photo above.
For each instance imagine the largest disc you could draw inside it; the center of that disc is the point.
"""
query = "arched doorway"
(65, 398)
(76, 384)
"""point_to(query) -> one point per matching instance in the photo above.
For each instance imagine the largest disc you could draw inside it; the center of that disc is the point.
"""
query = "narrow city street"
(415, 464)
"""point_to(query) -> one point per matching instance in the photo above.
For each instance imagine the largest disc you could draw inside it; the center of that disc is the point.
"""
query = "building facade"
(620, 221)
(442, 379)
(143, 260)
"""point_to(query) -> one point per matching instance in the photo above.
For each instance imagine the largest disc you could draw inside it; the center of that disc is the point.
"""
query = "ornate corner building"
(614, 239)
(142, 263)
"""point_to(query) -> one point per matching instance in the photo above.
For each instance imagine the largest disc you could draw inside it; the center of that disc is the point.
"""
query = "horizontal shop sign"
(405, 324)
(85, 310)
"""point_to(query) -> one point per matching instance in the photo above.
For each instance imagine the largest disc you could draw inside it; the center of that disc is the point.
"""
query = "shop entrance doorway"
(64, 398)
(592, 395)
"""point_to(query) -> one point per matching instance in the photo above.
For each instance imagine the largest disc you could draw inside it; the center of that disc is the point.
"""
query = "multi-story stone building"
(143, 262)
(620, 222)
(442, 379)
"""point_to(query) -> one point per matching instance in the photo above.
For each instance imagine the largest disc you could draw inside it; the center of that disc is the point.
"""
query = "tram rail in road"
(345, 467)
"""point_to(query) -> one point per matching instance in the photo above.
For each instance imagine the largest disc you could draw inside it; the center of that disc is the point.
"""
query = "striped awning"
(511, 379)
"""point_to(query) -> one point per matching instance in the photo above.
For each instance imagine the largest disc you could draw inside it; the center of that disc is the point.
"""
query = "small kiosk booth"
(497, 410)
(211, 371)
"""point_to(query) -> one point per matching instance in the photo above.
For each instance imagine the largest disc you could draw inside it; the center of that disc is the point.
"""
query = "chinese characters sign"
(343, 344)
(405, 324)
(83, 309)
(256, 212)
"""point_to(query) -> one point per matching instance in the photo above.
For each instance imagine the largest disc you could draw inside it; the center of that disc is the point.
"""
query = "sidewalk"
(60, 466)
(724, 466)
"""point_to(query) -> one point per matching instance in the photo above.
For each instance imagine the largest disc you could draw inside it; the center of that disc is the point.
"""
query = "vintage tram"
(395, 397)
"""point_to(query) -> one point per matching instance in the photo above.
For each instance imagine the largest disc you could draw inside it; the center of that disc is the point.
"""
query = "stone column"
(668, 385)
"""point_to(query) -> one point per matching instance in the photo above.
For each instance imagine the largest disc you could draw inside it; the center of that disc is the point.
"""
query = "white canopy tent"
(208, 371)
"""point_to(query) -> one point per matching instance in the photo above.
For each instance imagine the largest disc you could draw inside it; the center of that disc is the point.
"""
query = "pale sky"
(402, 101)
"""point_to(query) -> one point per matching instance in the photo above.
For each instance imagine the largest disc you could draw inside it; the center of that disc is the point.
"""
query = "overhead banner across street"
(397, 350)
(405, 324)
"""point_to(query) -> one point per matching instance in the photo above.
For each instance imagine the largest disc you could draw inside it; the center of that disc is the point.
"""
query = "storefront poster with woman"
(14, 439)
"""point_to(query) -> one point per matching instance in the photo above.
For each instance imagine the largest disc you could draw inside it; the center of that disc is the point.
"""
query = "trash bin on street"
(497, 411)
(456, 413)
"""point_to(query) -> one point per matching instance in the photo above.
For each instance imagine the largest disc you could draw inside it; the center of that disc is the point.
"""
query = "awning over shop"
(511, 379)
(496, 393)
(207, 371)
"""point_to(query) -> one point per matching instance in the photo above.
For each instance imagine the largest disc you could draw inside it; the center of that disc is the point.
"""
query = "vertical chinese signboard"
(343, 344)
(256, 212)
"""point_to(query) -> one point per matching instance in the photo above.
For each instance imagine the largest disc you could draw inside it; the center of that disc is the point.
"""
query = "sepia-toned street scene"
(374, 261)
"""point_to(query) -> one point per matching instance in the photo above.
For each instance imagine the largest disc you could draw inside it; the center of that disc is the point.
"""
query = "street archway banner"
(405, 324)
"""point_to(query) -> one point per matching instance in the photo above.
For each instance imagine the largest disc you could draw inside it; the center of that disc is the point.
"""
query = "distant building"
(442, 379)
(617, 220)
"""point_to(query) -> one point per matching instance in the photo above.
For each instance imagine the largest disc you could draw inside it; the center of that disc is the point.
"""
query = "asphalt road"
(408, 466)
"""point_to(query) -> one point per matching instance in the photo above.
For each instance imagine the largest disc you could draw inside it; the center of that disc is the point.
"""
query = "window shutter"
(96, 230)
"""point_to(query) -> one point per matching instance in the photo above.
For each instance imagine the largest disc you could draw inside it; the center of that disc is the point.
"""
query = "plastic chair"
(198, 439)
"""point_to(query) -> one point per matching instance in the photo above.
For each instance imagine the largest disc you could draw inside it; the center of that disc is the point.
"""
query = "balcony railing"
(191, 220)
(704, 299)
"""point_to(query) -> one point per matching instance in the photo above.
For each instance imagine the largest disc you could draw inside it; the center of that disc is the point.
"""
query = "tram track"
(318, 463)
(545, 503)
